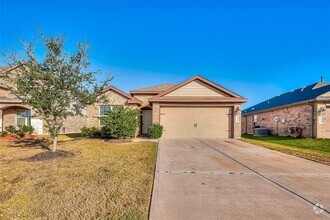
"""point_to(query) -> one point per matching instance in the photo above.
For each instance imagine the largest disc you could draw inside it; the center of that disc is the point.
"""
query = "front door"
(146, 120)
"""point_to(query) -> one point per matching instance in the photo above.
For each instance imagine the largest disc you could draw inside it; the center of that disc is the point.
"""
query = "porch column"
(155, 112)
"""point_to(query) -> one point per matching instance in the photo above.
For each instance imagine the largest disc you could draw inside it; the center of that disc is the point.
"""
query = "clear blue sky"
(258, 49)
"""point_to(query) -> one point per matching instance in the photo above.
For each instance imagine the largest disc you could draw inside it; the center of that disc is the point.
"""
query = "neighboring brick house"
(195, 108)
(13, 112)
(307, 108)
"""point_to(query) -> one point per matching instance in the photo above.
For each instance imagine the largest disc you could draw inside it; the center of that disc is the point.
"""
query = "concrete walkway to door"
(230, 179)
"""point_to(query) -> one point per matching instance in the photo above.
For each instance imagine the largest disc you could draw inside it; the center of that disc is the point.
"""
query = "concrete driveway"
(230, 179)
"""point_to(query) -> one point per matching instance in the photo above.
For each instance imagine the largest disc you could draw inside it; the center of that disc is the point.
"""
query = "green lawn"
(309, 148)
(99, 180)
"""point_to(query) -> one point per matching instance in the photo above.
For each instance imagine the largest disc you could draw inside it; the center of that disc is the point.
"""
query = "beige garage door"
(196, 122)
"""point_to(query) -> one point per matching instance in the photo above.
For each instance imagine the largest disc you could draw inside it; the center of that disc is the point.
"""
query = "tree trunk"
(54, 143)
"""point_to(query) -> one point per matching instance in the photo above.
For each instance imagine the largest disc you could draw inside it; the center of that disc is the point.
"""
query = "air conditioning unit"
(260, 132)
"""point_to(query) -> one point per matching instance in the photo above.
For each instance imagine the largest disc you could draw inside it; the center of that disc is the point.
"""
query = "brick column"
(237, 124)
(155, 112)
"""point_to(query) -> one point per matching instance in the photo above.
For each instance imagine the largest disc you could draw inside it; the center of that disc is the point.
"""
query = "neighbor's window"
(23, 117)
(255, 118)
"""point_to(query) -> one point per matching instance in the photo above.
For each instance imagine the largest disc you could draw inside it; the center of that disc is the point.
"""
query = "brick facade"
(310, 117)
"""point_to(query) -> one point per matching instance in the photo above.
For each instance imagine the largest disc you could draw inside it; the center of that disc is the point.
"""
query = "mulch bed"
(49, 155)
(14, 137)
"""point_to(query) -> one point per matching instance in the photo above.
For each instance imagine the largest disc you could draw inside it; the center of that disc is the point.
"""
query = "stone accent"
(155, 112)
(237, 121)
(290, 117)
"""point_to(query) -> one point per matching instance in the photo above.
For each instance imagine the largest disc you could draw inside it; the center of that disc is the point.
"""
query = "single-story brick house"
(196, 107)
(307, 108)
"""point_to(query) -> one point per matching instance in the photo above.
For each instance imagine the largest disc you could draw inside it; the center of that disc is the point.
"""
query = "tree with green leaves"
(55, 84)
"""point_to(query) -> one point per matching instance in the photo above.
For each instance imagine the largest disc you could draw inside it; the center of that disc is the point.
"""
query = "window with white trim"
(23, 117)
(102, 111)
(255, 118)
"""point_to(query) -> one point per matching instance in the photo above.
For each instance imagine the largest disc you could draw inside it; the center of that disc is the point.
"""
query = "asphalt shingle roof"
(306, 93)
(157, 88)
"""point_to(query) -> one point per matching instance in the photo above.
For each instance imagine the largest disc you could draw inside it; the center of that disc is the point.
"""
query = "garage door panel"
(194, 122)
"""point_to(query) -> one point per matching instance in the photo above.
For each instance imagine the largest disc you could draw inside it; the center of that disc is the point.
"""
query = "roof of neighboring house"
(7, 68)
(131, 99)
(233, 97)
(2, 68)
(153, 89)
(304, 94)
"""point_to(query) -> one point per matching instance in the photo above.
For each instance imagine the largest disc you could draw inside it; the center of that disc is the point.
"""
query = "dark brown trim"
(197, 104)
(180, 99)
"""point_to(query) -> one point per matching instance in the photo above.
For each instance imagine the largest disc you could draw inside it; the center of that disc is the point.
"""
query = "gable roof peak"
(320, 84)
(203, 81)
(130, 98)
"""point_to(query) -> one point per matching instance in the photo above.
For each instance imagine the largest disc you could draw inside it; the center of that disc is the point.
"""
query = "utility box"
(260, 132)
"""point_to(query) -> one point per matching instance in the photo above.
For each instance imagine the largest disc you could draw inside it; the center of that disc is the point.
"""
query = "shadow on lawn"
(32, 142)
(49, 155)
(42, 143)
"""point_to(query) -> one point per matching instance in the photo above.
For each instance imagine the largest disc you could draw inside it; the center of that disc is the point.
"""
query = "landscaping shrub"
(95, 132)
(85, 131)
(11, 129)
(105, 133)
(121, 122)
(155, 131)
(21, 134)
(4, 134)
(28, 129)
(90, 132)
